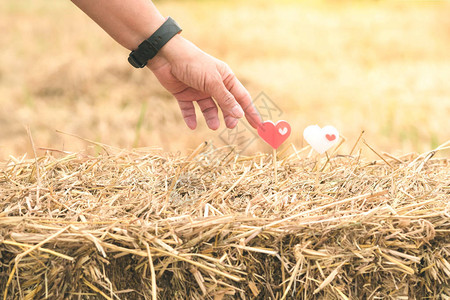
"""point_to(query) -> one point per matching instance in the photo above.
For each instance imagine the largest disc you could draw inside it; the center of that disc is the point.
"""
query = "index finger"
(244, 99)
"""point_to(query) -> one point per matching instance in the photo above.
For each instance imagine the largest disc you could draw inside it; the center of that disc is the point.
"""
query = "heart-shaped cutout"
(321, 139)
(283, 131)
(274, 134)
(330, 137)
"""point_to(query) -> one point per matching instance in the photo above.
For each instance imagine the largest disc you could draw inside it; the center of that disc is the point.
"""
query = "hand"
(191, 75)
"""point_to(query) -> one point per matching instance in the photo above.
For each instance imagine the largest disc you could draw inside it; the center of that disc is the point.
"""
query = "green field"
(382, 67)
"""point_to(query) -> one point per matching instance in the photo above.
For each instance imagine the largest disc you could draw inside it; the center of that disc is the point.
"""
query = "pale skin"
(187, 72)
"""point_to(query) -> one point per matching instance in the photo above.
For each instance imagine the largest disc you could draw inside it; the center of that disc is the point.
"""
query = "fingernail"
(237, 111)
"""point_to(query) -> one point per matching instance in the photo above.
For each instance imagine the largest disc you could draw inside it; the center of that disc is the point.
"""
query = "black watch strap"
(149, 48)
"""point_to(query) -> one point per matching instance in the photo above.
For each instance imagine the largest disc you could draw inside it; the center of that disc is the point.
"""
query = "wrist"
(169, 52)
(152, 45)
(144, 32)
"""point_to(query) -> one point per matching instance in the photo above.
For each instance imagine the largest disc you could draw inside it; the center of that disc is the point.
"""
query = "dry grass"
(213, 224)
(145, 224)
(382, 67)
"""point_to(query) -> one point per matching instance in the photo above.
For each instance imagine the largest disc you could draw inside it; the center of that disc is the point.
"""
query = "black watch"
(139, 57)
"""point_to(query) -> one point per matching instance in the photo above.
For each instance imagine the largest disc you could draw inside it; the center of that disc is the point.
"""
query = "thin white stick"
(275, 165)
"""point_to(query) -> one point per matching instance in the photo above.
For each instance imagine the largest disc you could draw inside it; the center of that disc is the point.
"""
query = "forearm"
(183, 69)
(128, 22)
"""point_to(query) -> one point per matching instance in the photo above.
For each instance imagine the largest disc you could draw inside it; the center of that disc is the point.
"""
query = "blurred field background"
(378, 66)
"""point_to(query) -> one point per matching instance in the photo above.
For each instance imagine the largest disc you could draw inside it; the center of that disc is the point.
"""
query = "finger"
(189, 94)
(188, 113)
(243, 97)
(210, 112)
(230, 121)
(224, 98)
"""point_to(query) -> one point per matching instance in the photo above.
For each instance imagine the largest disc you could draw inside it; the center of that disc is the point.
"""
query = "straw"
(145, 224)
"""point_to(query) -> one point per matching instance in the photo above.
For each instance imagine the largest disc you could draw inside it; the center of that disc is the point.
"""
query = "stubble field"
(381, 67)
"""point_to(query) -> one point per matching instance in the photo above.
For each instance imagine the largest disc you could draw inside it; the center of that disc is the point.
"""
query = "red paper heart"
(330, 137)
(274, 134)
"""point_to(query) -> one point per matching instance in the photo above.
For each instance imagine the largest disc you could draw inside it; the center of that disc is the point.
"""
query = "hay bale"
(147, 225)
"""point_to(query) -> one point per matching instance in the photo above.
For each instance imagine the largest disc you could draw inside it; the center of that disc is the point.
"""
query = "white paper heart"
(321, 139)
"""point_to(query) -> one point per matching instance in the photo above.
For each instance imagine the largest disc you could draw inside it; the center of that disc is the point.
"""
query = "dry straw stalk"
(216, 225)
